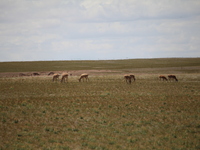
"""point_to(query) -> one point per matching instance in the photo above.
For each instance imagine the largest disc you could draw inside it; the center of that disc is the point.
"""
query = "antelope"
(64, 77)
(22, 74)
(83, 76)
(127, 78)
(35, 74)
(55, 77)
(163, 78)
(132, 76)
(50, 73)
(172, 77)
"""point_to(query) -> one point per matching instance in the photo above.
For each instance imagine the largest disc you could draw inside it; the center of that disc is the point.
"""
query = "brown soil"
(166, 70)
(71, 72)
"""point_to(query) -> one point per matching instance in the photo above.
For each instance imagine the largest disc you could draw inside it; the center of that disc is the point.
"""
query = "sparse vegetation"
(125, 65)
(105, 113)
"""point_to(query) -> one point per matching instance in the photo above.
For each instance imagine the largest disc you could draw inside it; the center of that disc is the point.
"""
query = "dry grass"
(105, 113)
(120, 65)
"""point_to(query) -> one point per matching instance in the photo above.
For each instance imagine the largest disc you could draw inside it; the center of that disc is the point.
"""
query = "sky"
(40, 30)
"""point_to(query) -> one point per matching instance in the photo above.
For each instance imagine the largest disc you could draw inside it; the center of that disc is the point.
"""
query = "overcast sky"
(32, 30)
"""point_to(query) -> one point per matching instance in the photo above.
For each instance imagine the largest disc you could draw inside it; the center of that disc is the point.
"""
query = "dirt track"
(72, 72)
(166, 70)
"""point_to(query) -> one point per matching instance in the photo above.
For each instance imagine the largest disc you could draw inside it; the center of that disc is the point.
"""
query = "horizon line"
(98, 59)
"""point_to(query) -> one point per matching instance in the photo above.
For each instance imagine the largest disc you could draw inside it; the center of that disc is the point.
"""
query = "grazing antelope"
(127, 78)
(35, 74)
(83, 76)
(172, 77)
(55, 77)
(163, 78)
(132, 76)
(50, 73)
(22, 74)
(64, 77)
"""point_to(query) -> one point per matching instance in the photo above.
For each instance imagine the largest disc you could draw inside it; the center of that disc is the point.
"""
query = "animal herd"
(170, 77)
(65, 77)
(127, 77)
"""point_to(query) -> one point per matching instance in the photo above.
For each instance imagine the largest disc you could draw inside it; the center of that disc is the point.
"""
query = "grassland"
(125, 65)
(104, 113)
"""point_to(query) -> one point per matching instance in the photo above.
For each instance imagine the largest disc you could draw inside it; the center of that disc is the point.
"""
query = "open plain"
(104, 113)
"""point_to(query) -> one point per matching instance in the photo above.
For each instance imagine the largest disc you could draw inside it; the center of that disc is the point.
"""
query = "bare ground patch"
(164, 70)
(45, 73)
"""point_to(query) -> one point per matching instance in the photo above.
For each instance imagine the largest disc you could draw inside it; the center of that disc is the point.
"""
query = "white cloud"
(88, 29)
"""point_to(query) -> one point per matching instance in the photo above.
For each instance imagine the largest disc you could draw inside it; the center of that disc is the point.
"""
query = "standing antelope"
(132, 76)
(127, 78)
(64, 77)
(83, 76)
(55, 77)
(172, 77)
(162, 78)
